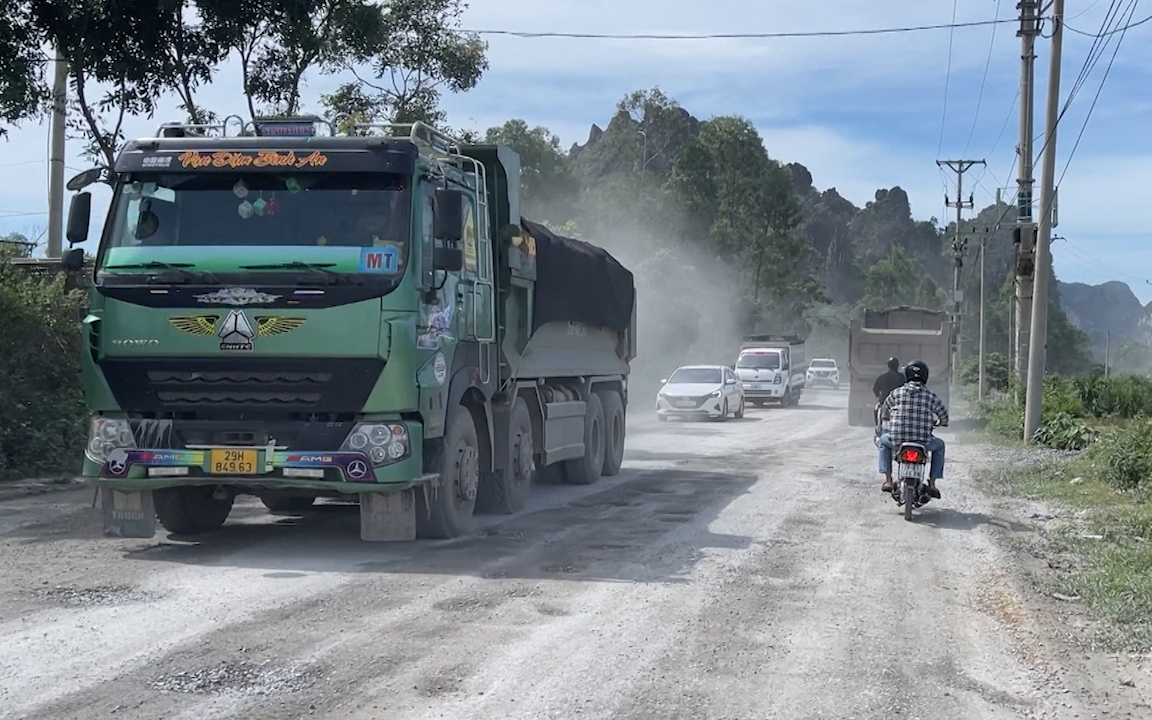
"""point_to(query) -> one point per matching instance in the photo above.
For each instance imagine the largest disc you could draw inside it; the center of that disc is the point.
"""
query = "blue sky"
(860, 112)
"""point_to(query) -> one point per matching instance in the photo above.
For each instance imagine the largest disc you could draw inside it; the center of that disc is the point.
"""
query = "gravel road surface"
(743, 570)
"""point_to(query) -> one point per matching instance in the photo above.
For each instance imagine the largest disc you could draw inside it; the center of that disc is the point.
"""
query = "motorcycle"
(910, 487)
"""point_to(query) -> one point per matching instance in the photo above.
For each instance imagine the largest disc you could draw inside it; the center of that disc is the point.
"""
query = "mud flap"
(128, 513)
(388, 517)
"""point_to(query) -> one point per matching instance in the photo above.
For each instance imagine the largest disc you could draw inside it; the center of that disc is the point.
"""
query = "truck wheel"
(586, 470)
(280, 503)
(615, 427)
(509, 493)
(447, 513)
(190, 510)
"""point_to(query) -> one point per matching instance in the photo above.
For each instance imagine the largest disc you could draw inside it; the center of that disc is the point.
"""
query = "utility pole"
(959, 244)
(1024, 235)
(983, 295)
(56, 159)
(1107, 350)
(1039, 330)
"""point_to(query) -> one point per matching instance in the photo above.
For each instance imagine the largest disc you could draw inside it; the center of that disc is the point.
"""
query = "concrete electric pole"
(56, 160)
(959, 244)
(983, 299)
(1024, 235)
(1039, 330)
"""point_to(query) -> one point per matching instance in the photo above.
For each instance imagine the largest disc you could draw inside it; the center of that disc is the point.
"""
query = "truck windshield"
(759, 361)
(261, 209)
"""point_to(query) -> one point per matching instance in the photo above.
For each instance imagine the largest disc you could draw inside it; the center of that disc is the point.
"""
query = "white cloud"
(860, 112)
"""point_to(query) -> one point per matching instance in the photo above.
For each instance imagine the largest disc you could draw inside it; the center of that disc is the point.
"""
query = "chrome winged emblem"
(237, 296)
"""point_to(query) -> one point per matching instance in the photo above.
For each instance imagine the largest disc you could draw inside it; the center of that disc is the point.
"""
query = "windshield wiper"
(178, 268)
(323, 268)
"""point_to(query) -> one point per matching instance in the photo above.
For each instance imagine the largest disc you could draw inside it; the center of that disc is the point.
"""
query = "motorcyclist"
(885, 383)
(912, 411)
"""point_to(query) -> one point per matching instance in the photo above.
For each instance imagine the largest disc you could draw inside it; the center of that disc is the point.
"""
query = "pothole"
(237, 678)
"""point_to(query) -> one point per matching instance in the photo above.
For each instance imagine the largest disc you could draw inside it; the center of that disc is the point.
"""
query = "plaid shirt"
(911, 410)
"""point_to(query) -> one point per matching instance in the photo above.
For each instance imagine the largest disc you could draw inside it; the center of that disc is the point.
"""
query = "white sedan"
(711, 391)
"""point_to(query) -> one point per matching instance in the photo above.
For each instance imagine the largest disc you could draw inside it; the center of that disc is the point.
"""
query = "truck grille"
(295, 384)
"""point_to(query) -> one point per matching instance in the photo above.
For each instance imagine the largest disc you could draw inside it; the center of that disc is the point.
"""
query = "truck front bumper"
(259, 467)
(763, 391)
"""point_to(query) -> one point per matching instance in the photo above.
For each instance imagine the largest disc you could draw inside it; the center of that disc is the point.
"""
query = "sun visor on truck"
(579, 282)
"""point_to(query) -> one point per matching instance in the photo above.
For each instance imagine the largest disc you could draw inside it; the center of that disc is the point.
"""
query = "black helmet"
(893, 364)
(916, 371)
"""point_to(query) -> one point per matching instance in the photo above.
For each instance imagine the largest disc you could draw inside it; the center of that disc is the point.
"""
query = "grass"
(1100, 548)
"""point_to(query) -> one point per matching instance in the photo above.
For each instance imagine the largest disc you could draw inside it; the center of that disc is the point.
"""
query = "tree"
(192, 56)
(726, 178)
(897, 280)
(548, 186)
(22, 86)
(110, 48)
(415, 52)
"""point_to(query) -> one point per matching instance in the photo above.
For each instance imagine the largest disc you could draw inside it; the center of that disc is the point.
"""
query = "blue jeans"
(936, 463)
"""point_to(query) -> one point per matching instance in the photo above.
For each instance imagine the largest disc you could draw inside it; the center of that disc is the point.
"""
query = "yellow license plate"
(232, 462)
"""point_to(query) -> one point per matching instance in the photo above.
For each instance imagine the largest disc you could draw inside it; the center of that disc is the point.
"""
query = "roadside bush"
(1064, 432)
(43, 417)
(1122, 456)
(997, 374)
(1125, 396)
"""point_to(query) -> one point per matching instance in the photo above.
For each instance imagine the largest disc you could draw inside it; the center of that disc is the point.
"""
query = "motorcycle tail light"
(911, 455)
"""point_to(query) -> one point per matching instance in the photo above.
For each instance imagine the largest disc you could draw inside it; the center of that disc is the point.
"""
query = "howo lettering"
(295, 314)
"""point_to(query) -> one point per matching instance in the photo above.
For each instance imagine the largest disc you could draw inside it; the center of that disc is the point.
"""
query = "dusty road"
(742, 570)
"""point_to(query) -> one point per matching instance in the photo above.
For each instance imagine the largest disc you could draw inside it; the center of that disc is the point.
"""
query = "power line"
(983, 80)
(947, 77)
(1113, 31)
(739, 36)
(1099, 89)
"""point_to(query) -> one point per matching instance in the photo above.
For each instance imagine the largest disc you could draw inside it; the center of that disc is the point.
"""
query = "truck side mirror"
(79, 216)
(446, 258)
(448, 218)
(73, 260)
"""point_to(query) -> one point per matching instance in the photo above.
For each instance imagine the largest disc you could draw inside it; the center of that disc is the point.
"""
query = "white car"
(711, 391)
(823, 371)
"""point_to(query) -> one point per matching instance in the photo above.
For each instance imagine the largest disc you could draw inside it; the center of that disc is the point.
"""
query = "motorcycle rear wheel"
(909, 500)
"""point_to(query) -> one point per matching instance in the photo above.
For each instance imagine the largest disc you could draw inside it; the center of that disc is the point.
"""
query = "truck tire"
(190, 510)
(586, 470)
(615, 431)
(281, 503)
(508, 493)
(447, 512)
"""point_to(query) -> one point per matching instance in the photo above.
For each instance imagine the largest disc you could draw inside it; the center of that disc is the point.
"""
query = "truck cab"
(772, 369)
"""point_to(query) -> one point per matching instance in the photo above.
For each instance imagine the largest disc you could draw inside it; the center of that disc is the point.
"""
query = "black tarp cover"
(579, 282)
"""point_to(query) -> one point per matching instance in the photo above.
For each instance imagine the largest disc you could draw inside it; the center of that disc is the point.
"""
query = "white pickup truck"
(771, 369)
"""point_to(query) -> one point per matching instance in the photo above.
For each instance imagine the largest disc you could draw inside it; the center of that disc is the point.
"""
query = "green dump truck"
(294, 314)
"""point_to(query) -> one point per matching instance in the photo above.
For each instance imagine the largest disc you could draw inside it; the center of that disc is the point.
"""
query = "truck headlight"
(106, 435)
(778, 380)
(383, 443)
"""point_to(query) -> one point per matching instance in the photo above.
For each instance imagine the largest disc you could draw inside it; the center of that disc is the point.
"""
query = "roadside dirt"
(748, 569)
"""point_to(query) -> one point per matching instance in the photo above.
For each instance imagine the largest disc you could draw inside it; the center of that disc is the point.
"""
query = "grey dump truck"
(904, 332)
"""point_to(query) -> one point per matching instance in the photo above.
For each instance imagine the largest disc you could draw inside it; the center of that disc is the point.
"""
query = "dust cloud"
(690, 304)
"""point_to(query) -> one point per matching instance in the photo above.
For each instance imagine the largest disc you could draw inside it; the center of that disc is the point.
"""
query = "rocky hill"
(1107, 309)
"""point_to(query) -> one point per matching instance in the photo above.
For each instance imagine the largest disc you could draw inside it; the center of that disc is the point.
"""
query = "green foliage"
(21, 65)
(997, 373)
(1123, 455)
(44, 425)
(896, 280)
(1063, 431)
